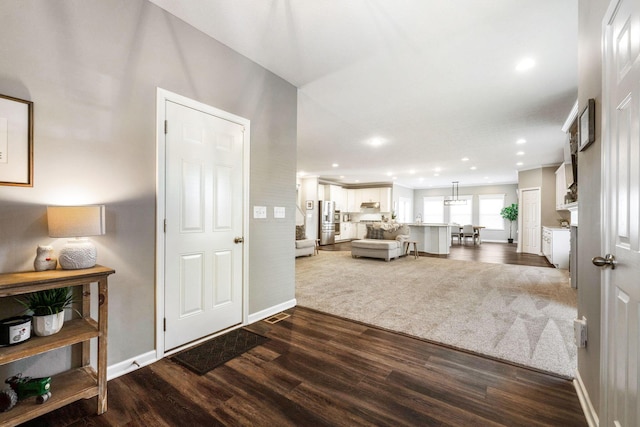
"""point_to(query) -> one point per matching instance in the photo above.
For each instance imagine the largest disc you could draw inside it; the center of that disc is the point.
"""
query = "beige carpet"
(516, 313)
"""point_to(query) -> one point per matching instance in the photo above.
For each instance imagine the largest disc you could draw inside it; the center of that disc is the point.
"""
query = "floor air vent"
(276, 318)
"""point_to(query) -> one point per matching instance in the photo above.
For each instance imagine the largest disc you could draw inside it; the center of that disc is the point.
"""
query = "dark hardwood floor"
(498, 253)
(320, 370)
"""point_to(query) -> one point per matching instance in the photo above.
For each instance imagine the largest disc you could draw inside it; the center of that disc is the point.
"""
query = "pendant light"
(454, 201)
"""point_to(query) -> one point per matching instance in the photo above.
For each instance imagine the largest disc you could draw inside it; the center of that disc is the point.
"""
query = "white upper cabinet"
(562, 186)
(385, 200)
(351, 201)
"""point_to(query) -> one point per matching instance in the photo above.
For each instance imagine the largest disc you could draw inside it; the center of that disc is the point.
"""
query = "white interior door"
(204, 216)
(530, 230)
(621, 190)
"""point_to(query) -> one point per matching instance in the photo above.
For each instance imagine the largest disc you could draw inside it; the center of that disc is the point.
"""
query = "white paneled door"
(621, 190)
(530, 232)
(204, 224)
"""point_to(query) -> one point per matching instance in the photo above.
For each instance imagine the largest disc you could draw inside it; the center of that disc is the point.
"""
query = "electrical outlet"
(260, 212)
(580, 332)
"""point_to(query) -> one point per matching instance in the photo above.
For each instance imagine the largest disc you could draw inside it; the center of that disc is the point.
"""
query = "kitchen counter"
(431, 238)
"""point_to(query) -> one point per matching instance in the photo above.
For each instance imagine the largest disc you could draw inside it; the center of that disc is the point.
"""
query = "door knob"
(238, 240)
(608, 260)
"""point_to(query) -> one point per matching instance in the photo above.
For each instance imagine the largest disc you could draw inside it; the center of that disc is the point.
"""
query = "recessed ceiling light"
(520, 153)
(375, 142)
(389, 173)
(335, 165)
(412, 171)
(465, 159)
(521, 141)
(473, 168)
(341, 176)
(437, 169)
(486, 177)
(525, 64)
(302, 173)
(357, 180)
(519, 164)
(436, 174)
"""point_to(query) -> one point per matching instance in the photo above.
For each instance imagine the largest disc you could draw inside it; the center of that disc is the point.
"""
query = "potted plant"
(510, 213)
(48, 309)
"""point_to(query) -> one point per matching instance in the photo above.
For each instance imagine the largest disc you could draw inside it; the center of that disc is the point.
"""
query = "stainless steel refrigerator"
(326, 222)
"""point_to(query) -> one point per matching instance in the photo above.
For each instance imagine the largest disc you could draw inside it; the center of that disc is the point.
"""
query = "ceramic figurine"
(45, 259)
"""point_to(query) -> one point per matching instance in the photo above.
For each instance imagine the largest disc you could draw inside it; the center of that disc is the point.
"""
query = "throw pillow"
(300, 234)
(376, 233)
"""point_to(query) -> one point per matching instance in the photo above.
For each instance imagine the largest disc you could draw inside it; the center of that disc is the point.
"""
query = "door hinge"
(165, 226)
(164, 324)
(165, 127)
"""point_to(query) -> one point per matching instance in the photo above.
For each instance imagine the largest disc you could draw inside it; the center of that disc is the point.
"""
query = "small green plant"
(49, 301)
(510, 213)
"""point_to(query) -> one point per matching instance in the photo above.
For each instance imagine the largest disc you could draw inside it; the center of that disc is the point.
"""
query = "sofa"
(383, 240)
(304, 246)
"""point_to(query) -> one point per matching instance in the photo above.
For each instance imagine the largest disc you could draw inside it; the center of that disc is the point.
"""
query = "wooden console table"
(80, 383)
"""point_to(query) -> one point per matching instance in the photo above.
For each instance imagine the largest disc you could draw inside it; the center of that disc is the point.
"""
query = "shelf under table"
(66, 388)
(73, 332)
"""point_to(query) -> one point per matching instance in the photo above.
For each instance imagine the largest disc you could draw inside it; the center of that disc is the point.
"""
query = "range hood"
(369, 206)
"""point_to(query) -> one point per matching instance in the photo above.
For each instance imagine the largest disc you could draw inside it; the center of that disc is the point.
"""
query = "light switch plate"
(278, 212)
(260, 212)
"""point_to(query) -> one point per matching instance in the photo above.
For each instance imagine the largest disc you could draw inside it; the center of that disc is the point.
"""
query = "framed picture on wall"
(309, 205)
(16, 141)
(587, 125)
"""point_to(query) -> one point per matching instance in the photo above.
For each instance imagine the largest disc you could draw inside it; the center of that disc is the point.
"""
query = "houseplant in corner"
(510, 213)
(48, 309)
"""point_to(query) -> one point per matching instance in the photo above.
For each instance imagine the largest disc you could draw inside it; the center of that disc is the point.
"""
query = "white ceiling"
(434, 80)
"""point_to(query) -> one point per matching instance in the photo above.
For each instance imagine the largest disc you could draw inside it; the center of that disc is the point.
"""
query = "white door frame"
(161, 98)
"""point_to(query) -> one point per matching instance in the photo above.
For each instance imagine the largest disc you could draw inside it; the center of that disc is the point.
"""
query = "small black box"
(15, 330)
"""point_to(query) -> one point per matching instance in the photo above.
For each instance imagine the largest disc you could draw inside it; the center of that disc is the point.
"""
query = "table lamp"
(77, 222)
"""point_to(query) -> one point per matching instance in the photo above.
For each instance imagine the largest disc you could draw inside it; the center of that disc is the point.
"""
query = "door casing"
(162, 96)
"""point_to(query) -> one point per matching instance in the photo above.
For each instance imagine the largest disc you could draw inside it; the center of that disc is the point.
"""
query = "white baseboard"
(263, 314)
(587, 407)
(129, 365)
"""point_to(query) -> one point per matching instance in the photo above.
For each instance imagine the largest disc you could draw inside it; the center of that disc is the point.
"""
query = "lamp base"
(78, 254)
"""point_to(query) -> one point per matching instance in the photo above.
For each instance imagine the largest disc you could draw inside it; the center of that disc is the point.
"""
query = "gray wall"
(92, 68)
(591, 13)
(489, 235)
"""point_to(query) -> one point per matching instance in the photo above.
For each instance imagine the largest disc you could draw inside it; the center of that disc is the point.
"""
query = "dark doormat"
(206, 356)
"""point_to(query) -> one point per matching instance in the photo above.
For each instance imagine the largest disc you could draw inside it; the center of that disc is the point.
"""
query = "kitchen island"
(431, 238)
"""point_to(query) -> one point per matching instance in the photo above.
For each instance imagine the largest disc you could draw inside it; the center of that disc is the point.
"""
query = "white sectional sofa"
(383, 240)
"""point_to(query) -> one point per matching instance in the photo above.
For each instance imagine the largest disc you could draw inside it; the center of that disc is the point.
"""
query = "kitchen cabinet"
(351, 201)
(556, 246)
(385, 200)
(80, 383)
(346, 231)
(562, 186)
(336, 194)
(369, 194)
(361, 230)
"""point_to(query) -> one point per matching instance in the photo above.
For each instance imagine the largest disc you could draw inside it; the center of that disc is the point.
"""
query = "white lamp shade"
(75, 221)
(78, 222)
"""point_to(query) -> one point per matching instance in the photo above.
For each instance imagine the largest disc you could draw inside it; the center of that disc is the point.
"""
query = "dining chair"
(468, 231)
(456, 233)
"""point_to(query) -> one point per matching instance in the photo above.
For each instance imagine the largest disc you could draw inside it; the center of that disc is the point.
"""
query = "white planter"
(48, 325)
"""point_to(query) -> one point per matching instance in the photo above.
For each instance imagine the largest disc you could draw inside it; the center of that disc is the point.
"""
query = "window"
(490, 207)
(462, 214)
(433, 210)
